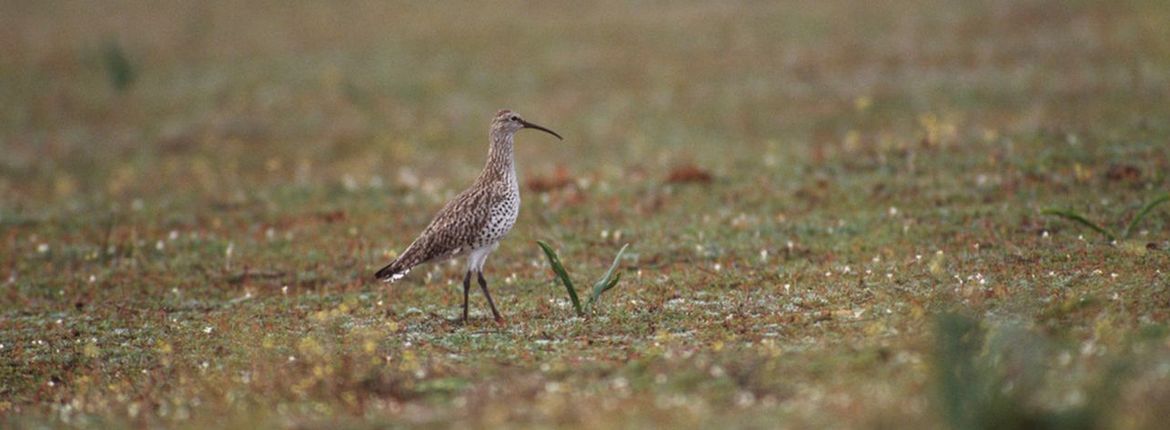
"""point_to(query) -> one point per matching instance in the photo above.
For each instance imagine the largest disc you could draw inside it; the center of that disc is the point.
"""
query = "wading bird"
(474, 222)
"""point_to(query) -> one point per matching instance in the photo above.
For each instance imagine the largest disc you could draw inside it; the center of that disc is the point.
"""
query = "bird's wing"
(452, 231)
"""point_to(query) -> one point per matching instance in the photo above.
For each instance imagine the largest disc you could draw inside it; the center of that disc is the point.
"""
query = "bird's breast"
(501, 217)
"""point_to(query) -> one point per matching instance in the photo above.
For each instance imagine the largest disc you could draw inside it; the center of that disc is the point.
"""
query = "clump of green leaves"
(605, 283)
(1113, 237)
(991, 380)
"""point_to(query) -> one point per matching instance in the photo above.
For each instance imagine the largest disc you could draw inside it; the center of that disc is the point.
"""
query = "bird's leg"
(466, 288)
(483, 285)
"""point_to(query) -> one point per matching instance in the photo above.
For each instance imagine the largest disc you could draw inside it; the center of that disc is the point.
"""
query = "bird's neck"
(501, 165)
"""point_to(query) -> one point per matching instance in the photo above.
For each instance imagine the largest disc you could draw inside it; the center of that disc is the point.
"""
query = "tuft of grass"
(120, 70)
(1125, 233)
(993, 382)
(606, 282)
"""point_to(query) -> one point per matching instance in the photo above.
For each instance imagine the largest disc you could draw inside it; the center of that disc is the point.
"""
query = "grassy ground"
(193, 199)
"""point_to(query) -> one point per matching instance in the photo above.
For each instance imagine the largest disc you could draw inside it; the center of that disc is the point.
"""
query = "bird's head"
(509, 122)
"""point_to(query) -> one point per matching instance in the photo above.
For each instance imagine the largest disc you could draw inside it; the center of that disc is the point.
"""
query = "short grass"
(193, 199)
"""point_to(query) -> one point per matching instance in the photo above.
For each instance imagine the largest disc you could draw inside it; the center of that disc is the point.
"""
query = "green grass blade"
(605, 283)
(1073, 216)
(559, 269)
(1142, 214)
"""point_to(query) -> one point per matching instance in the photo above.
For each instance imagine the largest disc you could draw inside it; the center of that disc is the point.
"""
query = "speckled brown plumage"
(474, 222)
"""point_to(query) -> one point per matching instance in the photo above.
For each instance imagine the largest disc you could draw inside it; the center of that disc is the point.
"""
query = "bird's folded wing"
(453, 230)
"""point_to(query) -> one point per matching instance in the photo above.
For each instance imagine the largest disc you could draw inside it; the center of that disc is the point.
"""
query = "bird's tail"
(392, 272)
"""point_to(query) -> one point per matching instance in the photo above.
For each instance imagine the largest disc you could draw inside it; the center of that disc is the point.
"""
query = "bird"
(474, 222)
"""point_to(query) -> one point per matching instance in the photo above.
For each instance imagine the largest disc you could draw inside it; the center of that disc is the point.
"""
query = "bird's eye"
(514, 118)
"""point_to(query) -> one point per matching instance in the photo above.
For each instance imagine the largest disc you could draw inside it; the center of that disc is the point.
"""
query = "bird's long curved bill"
(531, 125)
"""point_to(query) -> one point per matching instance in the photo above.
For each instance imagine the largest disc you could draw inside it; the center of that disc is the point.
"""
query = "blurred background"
(211, 98)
